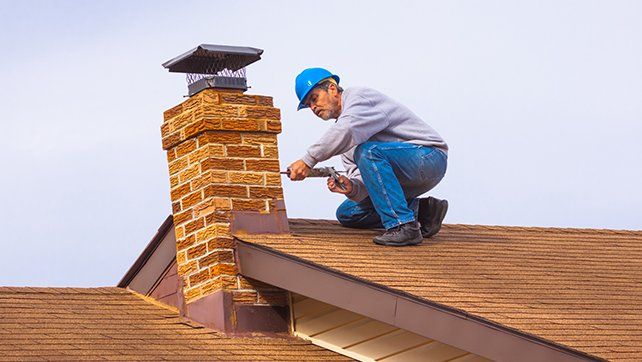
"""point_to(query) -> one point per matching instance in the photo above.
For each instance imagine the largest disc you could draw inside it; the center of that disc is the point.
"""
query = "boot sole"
(415, 241)
(437, 226)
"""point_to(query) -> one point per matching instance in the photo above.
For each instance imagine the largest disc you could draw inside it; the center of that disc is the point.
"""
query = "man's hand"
(298, 170)
(347, 184)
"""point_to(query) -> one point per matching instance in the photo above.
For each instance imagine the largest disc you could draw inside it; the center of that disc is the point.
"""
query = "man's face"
(326, 104)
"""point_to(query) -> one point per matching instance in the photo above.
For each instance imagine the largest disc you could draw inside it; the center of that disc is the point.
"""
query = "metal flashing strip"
(432, 320)
(152, 262)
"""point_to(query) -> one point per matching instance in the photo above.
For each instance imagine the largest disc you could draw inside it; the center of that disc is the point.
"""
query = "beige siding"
(366, 339)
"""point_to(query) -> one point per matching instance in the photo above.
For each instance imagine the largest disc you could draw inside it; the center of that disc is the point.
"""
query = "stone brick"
(223, 269)
(196, 251)
(177, 123)
(261, 112)
(264, 101)
(185, 242)
(171, 155)
(177, 166)
(272, 179)
(173, 112)
(216, 256)
(228, 282)
(189, 173)
(202, 125)
(180, 191)
(221, 243)
(182, 217)
(205, 151)
(180, 232)
(220, 137)
(211, 286)
(226, 191)
(173, 181)
(209, 97)
(266, 192)
(199, 277)
(207, 233)
(171, 140)
(185, 148)
(210, 205)
(181, 257)
(192, 103)
(248, 283)
(209, 177)
(192, 199)
(218, 216)
(246, 178)
(220, 111)
(270, 151)
(244, 297)
(215, 163)
(187, 268)
(262, 165)
(259, 139)
(243, 125)
(235, 98)
(274, 126)
(249, 205)
(223, 229)
(195, 225)
(176, 207)
(243, 151)
(275, 298)
(192, 293)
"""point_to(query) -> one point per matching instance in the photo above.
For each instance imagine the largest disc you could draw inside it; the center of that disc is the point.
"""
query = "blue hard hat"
(309, 78)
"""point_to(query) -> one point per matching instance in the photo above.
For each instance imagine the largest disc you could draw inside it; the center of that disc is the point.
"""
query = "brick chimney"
(224, 176)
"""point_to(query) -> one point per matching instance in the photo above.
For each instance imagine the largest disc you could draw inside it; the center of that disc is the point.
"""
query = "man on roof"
(391, 157)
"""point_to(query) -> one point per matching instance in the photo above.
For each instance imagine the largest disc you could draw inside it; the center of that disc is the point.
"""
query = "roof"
(114, 323)
(575, 288)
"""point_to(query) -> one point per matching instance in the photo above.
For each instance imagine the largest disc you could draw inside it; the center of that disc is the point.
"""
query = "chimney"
(224, 176)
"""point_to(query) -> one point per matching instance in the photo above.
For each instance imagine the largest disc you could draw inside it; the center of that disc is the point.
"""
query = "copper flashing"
(429, 319)
(253, 222)
(218, 311)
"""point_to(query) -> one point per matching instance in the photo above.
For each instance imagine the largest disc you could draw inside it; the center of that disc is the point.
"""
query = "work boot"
(402, 235)
(431, 214)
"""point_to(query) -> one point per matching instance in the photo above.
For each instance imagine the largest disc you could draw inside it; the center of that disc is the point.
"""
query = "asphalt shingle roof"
(580, 288)
(116, 324)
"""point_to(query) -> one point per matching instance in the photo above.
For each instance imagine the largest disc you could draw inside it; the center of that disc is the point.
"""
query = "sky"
(539, 101)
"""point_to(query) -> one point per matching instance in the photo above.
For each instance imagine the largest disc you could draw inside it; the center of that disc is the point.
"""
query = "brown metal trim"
(142, 259)
(432, 320)
(254, 222)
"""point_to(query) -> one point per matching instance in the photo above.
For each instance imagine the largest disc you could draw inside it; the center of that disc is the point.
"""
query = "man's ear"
(332, 87)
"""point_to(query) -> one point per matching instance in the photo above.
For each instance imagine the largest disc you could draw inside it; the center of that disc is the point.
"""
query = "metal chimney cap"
(210, 59)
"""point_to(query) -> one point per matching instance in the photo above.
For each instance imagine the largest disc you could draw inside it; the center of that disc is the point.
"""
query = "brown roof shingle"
(579, 288)
(116, 324)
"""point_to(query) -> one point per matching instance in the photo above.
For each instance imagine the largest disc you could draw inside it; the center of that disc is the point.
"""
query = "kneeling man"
(391, 156)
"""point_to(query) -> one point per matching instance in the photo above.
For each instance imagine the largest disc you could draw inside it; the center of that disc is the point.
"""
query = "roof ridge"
(499, 227)
(62, 290)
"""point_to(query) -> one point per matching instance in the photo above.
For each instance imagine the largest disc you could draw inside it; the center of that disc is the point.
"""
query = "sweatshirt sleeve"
(359, 121)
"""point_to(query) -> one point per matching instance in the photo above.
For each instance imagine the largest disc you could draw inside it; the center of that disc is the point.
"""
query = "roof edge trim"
(147, 252)
(430, 319)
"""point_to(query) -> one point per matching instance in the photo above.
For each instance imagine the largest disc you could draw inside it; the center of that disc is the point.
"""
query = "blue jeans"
(394, 174)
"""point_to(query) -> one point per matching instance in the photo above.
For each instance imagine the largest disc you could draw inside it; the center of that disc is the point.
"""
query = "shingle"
(114, 323)
(577, 287)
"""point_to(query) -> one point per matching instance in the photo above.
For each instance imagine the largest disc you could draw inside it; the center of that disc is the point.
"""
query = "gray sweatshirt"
(369, 115)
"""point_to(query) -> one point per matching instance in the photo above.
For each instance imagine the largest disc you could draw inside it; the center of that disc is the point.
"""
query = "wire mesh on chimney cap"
(214, 66)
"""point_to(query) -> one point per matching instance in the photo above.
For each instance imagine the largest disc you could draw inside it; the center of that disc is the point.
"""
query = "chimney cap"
(211, 59)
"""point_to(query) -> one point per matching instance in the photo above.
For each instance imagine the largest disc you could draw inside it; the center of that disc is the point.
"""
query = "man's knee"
(344, 216)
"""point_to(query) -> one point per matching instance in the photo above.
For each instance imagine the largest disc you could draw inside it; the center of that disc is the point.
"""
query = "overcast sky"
(540, 102)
